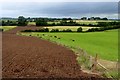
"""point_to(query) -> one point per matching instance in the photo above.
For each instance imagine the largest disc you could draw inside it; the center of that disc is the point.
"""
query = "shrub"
(27, 31)
(43, 30)
(103, 28)
(105, 24)
(67, 30)
(8, 23)
(95, 29)
(46, 29)
(41, 22)
(79, 29)
(1, 30)
(40, 30)
(90, 30)
(54, 30)
(22, 21)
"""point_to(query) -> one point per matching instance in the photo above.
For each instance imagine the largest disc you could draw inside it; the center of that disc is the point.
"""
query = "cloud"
(59, 9)
(59, 1)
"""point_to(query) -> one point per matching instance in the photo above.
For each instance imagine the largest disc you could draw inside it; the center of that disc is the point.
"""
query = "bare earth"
(31, 57)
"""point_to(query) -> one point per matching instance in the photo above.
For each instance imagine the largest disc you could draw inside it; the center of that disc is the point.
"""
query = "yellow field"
(5, 28)
(73, 28)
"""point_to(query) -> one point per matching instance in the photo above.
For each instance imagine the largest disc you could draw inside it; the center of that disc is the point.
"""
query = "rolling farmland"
(102, 43)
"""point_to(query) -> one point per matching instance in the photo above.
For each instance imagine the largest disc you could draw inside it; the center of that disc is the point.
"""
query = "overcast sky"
(59, 8)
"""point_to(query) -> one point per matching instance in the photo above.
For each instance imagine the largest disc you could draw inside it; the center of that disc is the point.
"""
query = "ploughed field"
(24, 56)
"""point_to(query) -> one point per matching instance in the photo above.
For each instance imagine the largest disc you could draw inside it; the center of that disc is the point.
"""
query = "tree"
(8, 22)
(41, 22)
(22, 21)
(97, 18)
(79, 29)
(92, 18)
(69, 19)
(3, 23)
(88, 18)
(104, 19)
(84, 18)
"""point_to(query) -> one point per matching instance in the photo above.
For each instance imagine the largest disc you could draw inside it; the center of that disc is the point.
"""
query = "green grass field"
(105, 44)
(5, 28)
(31, 23)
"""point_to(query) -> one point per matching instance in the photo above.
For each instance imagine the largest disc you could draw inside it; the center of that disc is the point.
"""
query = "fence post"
(90, 61)
(94, 66)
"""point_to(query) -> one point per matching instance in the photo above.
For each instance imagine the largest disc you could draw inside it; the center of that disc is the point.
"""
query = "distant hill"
(8, 18)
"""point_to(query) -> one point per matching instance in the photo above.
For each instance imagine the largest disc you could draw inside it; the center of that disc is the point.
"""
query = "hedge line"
(78, 30)
(53, 30)
(103, 28)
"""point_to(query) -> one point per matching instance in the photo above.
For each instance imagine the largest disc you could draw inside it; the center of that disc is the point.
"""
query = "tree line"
(22, 21)
(94, 18)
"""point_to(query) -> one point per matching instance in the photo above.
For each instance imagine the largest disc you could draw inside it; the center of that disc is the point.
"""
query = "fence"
(94, 65)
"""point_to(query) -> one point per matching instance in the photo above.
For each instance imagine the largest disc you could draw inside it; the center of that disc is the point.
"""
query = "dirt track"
(32, 57)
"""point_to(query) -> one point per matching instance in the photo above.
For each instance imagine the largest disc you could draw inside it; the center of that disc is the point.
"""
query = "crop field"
(79, 21)
(94, 20)
(91, 21)
(5, 28)
(73, 28)
(105, 44)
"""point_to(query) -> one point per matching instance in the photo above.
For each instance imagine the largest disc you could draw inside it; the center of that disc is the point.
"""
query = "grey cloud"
(62, 8)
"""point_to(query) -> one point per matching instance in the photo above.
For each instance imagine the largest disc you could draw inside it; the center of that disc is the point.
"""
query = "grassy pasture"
(56, 22)
(31, 23)
(5, 28)
(105, 44)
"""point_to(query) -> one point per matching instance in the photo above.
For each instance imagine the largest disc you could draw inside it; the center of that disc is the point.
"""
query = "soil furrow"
(32, 57)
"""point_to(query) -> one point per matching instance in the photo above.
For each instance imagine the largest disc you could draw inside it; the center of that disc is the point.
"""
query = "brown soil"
(31, 57)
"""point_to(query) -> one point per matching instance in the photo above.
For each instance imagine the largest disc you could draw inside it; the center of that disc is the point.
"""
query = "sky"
(59, 8)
